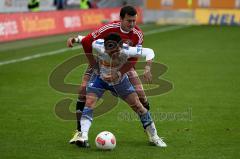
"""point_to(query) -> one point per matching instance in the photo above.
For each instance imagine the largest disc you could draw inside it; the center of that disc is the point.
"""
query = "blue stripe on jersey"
(139, 49)
(125, 47)
(99, 42)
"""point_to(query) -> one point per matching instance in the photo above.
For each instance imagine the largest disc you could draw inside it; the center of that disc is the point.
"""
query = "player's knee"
(91, 101)
(145, 103)
(140, 92)
(142, 100)
(133, 76)
(133, 101)
(139, 108)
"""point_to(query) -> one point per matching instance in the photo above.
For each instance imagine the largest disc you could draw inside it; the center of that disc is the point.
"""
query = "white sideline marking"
(171, 28)
(161, 30)
(37, 56)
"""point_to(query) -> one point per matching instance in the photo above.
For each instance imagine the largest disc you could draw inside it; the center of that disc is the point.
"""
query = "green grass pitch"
(203, 65)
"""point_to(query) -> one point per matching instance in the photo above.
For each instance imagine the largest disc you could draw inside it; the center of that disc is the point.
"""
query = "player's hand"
(147, 74)
(111, 77)
(70, 42)
(107, 78)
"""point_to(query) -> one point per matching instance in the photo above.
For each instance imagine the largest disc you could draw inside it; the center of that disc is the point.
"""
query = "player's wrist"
(78, 39)
(75, 40)
(147, 68)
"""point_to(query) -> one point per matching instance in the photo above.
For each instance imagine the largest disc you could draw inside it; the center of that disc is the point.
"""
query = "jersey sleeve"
(148, 53)
(87, 47)
(87, 41)
(98, 45)
(132, 51)
(138, 51)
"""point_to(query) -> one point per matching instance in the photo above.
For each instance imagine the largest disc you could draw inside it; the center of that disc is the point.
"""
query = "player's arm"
(72, 40)
(147, 53)
(86, 42)
(128, 65)
(87, 47)
(139, 51)
(124, 69)
(132, 60)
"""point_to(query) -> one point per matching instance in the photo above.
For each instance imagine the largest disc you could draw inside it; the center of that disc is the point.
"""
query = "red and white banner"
(27, 25)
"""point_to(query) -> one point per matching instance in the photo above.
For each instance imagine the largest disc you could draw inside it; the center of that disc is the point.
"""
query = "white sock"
(85, 126)
(151, 129)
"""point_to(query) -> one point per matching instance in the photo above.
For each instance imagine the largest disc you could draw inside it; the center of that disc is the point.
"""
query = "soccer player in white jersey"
(131, 34)
(111, 55)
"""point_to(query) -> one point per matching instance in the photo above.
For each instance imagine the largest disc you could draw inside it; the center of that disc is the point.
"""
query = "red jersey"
(133, 38)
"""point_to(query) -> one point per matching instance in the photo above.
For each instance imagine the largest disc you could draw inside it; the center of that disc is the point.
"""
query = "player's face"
(114, 53)
(112, 48)
(128, 22)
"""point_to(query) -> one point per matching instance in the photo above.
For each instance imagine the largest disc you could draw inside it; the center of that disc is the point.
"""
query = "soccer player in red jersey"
(133, 36)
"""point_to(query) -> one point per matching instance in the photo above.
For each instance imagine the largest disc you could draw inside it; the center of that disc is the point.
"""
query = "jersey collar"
(125, 32)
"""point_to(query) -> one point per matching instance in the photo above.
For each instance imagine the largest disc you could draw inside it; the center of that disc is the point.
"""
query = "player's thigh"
(86, 78)
(95, 90)
(133, 101)
(82, 87)
(136, 82)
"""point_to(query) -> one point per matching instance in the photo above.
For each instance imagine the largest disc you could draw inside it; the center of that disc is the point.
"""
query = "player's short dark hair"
(112, 40)
(129, 10)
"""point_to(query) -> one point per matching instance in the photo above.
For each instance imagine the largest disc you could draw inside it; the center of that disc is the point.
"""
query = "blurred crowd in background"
(34, 5)
(7, 6)
(21, 19)
(46, 5)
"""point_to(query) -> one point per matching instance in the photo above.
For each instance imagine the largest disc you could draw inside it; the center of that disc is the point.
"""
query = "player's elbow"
(149, 53)
(87, 45)
(85, 41)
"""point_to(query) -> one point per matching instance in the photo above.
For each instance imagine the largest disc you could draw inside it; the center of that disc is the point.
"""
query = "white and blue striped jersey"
(107, 65)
